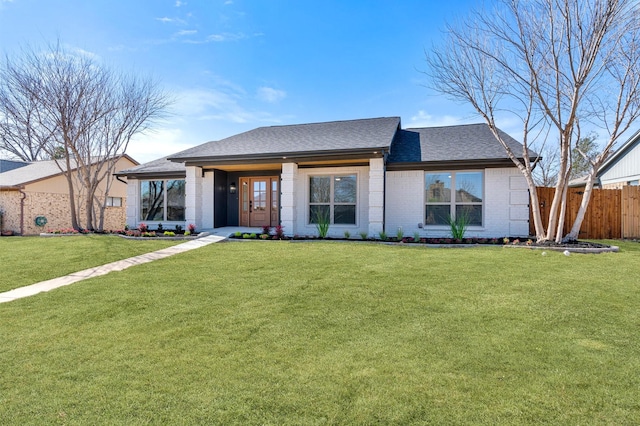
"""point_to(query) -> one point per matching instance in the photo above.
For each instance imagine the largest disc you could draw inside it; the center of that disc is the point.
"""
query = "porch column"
(133, 203)
(376, 196)
(193, 195)
(288, 199)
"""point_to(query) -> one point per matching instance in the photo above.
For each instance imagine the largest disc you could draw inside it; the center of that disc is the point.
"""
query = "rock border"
(580, 250)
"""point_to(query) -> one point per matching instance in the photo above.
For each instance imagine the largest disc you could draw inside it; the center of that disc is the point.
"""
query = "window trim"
(332, 202)
(453, 203)
(110, 199)
(165, 205)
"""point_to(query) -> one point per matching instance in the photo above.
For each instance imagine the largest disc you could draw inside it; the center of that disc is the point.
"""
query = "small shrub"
(178, 228)
(363, 235)
(237, 234)
(253, 235)
(416, 236)
(266, 229)
(148, 234)
(169, 234)
(246, 236)
(187, 233)
(279, 232)
(399, 233)
(192, 228)
(347, 234)
(143, 227)
(383, 235)
(322, 221)
(264, 236)
(505, 240)
(458, 226)
(160, 229)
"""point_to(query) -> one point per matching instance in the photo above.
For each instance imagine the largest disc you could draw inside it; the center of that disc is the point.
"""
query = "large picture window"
(334, 198)
(162, 200)
(466, 201)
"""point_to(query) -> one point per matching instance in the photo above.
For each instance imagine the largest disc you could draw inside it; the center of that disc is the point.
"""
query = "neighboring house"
(39, 189)
(623, 167)
(365, 175)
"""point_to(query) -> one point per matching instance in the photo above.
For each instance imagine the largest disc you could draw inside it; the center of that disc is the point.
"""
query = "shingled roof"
(38, 170)
(156, 168)
(450, 146)
(300, 139)
(463, 143)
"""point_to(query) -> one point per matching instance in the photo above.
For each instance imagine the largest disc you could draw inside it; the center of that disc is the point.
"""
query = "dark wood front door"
(259, 201)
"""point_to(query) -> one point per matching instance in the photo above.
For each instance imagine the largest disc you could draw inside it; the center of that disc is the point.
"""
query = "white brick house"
(365, 176)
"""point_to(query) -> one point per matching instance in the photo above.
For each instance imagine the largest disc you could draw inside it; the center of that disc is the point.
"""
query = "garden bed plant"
(457, 238)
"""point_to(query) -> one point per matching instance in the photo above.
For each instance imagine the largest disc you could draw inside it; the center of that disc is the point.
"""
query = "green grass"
(27, 260)
(332, 333)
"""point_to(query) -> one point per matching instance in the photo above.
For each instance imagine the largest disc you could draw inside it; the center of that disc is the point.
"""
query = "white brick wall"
(404, 204)
(376, 196)
(506, 204)
(133, 202)
(193, 195)
(288, 207)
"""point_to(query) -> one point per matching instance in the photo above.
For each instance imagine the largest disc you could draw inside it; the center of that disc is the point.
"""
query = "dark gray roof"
(161, 166)
(6, 165)
(334, 136)
(470, 142)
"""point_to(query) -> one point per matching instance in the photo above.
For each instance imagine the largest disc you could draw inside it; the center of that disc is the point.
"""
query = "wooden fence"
(612, 213)
(631, 212)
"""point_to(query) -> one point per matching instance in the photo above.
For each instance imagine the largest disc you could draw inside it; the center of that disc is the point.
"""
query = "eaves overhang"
(283, 157)
(451, 164)
(153, 175)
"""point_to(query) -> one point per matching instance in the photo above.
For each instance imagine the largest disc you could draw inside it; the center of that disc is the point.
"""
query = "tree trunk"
(584, 203)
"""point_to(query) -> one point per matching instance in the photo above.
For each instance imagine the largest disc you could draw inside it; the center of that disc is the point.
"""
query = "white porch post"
(288, 199)
(376, 196)
(193, 195)
(133, 203)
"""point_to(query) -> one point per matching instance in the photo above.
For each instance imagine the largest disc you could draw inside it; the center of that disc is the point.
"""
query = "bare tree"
(70, 108)
(557, 66)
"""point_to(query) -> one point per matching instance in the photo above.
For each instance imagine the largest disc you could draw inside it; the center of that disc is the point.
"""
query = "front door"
(259, 201)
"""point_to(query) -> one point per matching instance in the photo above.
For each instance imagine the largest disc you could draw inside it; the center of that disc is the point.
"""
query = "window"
(334, 198)
(162, 200)
(633, 183)
(114, 201)
(441, 205)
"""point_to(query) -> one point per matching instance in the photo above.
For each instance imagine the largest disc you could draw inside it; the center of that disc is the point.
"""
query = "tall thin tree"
(73, 109)
(556, 65)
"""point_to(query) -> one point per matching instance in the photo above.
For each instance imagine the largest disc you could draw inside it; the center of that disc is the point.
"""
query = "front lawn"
(28, 260)
(332, 333)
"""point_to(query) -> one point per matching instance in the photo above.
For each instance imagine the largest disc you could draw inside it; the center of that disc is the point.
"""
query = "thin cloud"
(167, 20)
(226, 37)
(185, 33)
(270, 95)
(180, 3)
(424, 119)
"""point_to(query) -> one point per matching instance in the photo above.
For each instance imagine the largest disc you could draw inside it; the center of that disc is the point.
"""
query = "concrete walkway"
(119, 265)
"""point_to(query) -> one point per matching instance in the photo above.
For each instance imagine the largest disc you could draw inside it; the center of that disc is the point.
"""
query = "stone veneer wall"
(55, 207)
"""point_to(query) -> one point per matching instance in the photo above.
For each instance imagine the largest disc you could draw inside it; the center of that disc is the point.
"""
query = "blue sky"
(234, 65)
